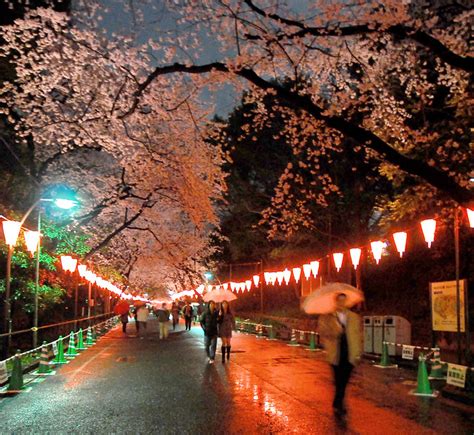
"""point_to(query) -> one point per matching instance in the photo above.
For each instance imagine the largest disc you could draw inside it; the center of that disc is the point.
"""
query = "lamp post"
(12, 230)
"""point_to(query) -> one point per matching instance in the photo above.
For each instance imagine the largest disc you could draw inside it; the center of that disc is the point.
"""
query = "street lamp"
(11, 231)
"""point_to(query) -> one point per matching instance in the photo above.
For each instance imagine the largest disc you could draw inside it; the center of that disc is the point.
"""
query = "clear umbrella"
(219, 295)
(323, 300)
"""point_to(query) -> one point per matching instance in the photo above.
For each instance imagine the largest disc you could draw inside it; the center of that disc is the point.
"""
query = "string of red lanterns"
(428, 227)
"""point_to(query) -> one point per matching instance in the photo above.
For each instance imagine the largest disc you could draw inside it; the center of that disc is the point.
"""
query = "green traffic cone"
(312, 341)
(44, 367)
(80, 341)
(16, 378)
(71, 349)
(89, 339)
(59, 359)
(423, 387)
(385, 362)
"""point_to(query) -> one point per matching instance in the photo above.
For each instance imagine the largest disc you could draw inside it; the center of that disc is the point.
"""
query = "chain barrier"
(57, 340)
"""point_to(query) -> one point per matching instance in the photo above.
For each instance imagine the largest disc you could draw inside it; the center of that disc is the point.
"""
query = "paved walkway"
(127, 385)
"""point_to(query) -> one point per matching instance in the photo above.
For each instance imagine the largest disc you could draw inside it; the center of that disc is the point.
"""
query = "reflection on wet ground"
(128, 385)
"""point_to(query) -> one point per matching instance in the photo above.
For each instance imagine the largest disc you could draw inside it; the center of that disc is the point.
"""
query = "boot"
(223, 353)
(228, 353)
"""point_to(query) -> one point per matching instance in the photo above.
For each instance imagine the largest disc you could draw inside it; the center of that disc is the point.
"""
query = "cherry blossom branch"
(401, 31)
(364, 137)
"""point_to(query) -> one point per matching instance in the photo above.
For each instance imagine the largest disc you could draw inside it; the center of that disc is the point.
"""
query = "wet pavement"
(129, 385)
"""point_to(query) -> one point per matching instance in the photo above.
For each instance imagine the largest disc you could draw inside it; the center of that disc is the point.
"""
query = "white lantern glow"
(65, 262)
(32, 239)
(82, 270)
(377, 249)
(314, 268)
(287, 276)
(256, 280)
(11, 230)
(225, 286)
(307, 270)
(248, 284)
(470, 217)
(338, 257)
(267, 277)
(355, 256)
(297, 273)
(400, 239)
(429, 227)
(279, 277)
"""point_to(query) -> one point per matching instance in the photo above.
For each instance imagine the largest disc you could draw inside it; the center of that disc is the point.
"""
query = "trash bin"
(378, 333)
(368, 334)
(396, 330)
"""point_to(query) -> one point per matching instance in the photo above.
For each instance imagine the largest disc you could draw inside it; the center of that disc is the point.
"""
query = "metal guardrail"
(298, 336)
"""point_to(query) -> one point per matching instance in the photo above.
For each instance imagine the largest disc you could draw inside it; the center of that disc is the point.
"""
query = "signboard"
(443, 305)
(408, 351)
(55, 348)
(456, 375)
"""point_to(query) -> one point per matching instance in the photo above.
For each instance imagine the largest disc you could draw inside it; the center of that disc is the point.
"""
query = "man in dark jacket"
(209, 326)
(188, 315)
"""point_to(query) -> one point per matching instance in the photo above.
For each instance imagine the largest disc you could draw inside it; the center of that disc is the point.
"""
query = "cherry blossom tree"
(372, 74)
(148, 181)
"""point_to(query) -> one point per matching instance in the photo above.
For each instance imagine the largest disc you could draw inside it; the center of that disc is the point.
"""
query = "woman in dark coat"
(226, 322)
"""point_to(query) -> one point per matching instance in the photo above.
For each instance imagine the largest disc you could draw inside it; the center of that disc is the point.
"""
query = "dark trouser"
(187, 321)
(137, 325)
(342, 374)
(124, 327)
(210, 343)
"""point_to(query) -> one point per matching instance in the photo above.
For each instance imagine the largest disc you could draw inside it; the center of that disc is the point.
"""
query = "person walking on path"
(142, 318)
(188, 315)
(209, 325)
(163, 315)
(175, 314)
(341, 336)
(226, 322)
(124, 320)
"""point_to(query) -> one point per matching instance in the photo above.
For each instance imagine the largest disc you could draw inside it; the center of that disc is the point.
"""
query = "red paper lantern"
(338, 257)
(429, 227)
(297, 273)
(314, 268)
(470, 217)
(11, 230)
(307, 270)
(32, 239)
(400, 239)
(355, 256)
(377, 249)
(279, 277)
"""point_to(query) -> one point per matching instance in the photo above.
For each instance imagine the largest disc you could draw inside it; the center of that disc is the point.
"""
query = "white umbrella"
(219, 295)
(323, 300)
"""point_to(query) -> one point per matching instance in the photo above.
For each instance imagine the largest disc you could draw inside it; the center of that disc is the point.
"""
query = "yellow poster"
(443, 305)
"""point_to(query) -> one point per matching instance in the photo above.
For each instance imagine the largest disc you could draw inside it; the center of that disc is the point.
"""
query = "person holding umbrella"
(122, 309)
(340, 330)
